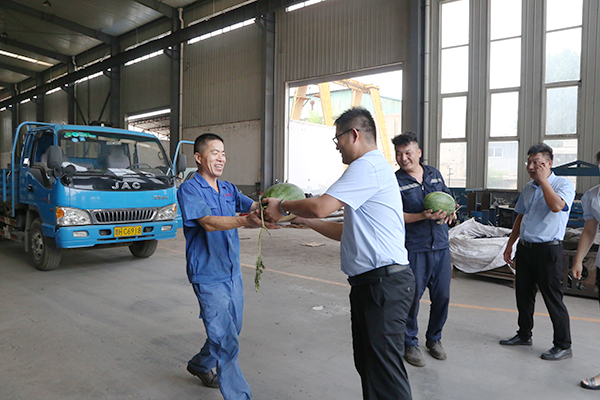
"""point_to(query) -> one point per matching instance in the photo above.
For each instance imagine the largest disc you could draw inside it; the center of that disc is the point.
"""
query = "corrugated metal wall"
(90, 96)
(5, 138)
(222, 79)
(333, 37)
(55, 109)
(145, 85)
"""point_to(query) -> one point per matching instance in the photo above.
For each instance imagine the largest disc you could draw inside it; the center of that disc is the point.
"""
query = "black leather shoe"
(516, 341)
(556, 353)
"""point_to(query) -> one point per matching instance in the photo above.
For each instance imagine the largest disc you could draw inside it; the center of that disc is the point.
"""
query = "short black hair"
(597, 156)
(202, 141)
(405, 139)
(359, 118)
(541, 148)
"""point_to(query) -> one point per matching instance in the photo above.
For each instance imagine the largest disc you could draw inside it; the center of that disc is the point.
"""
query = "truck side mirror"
(55, 157)
(181, 164)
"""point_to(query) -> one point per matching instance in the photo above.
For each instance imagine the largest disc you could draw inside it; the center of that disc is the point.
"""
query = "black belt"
(376, 274)
(525, 243)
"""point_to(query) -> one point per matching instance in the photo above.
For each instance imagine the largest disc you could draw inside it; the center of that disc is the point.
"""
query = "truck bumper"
(70, 237)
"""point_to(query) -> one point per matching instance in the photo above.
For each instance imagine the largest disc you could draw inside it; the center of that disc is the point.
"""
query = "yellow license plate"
(128, 231)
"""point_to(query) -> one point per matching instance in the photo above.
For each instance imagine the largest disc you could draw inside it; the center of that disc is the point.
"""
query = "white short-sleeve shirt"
(373, 233)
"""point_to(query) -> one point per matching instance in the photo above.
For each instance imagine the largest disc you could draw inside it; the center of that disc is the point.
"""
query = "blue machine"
(576, 168)
(84, 186)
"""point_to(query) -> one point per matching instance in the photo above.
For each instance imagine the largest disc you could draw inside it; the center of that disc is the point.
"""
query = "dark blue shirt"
(212, 257)
(424, 235)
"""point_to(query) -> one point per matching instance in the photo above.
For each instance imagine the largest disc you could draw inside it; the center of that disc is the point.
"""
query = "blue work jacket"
(212, 257)
(424, 235)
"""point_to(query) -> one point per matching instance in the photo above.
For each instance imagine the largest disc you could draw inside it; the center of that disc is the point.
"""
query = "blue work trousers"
(432, 270)
(221, 307)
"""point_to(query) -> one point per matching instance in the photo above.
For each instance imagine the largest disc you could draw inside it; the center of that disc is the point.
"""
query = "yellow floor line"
(310, 278)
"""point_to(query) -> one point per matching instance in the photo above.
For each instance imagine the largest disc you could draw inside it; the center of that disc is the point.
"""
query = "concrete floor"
(107, 326)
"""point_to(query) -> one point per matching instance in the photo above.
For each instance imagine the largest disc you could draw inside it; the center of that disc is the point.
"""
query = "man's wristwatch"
(281, 210)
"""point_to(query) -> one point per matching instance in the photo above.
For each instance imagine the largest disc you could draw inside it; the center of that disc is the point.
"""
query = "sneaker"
(209, 378)
(413, 356)
(436, 349)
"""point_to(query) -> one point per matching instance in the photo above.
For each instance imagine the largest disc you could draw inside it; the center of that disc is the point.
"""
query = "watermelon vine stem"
(259, 263)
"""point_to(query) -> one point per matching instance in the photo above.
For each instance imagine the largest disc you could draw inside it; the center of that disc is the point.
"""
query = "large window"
(510, 75)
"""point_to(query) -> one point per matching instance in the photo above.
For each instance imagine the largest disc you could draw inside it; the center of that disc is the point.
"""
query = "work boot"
(413, 356)
(209, 379)
(436, 350)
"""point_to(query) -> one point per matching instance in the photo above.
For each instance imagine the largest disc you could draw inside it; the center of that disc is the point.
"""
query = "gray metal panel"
(330, 38)
(56, 107)
(145, 85)
(145, 34)
(222, 78)
(210, 8)
(91, 96)
(27, 112)
(476, 100)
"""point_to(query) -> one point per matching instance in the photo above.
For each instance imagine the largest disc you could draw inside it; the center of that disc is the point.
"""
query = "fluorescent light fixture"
(149, 114)
(144, 58)
(87, 78)
(23, 58)
(302, 5)
(53, 90)
(221, 31)
(25, 101)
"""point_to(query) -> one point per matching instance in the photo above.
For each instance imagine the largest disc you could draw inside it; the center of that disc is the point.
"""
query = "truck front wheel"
(143, 249)
(44, 253)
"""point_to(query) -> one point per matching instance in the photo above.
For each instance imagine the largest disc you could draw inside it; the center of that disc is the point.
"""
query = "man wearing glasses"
(372, 253)
(543, 212)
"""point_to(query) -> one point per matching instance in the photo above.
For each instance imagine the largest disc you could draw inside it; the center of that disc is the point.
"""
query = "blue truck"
(71, 186)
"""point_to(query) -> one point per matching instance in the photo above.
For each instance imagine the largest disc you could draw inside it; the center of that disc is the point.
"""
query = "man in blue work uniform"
(209, 207)
(427, 245)
(542, 216)
(382, 282)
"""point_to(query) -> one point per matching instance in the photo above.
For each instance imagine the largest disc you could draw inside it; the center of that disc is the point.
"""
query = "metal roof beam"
(73, 26)
(19, 70)
(35, 49)
(249, 11)
(159, 6)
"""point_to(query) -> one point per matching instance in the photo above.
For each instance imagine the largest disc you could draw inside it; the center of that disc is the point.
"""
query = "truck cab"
(86, 186)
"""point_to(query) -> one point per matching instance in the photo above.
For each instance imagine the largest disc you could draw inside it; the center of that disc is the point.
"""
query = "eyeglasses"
(335, 138)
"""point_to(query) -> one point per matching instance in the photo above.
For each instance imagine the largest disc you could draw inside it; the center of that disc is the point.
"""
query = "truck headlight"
(67, 216)
(167, 213)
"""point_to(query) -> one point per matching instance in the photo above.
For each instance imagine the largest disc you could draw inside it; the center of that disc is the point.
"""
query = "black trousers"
(379, 307)
(542, 267)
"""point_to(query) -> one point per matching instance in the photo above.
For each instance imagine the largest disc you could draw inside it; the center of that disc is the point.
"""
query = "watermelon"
(284, 191)
(437, 201)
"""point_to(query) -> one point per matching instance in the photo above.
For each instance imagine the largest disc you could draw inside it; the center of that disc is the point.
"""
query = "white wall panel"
(241, 147)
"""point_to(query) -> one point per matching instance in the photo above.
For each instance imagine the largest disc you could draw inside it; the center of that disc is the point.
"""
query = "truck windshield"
(121, 155)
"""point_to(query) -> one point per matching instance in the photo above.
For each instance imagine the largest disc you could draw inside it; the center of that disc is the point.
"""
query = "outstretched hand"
(271, 212)
(256, 222)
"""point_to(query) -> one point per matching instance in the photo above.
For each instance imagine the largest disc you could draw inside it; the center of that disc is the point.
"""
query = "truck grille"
(124, 215)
